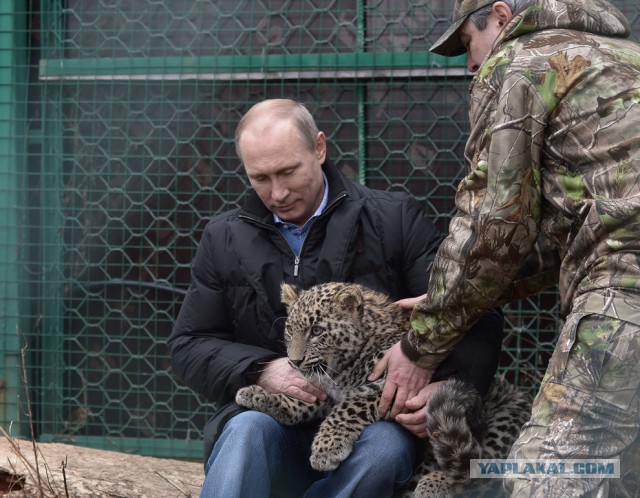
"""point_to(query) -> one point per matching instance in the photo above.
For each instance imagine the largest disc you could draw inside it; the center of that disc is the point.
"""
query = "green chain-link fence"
(117, 134)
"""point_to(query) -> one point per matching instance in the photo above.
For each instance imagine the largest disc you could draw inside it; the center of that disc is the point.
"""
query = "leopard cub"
(335, 333)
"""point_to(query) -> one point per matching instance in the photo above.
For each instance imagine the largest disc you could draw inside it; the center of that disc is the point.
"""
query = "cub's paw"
(328, 455)
(284, 409)
(253, 397)
(433, 485)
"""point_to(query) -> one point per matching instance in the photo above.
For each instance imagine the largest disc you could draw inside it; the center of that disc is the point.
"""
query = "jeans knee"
(248, 433)
(251, 424)
(390, 447)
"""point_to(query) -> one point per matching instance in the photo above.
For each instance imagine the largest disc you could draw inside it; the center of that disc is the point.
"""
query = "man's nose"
(279, 191)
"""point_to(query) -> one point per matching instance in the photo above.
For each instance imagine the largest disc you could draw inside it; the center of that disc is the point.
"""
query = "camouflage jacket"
(553, 163)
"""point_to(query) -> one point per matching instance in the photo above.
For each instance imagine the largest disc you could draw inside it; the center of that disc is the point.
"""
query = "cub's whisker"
(323, 369)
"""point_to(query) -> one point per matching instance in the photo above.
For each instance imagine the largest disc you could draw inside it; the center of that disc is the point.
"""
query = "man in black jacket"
(304, 223)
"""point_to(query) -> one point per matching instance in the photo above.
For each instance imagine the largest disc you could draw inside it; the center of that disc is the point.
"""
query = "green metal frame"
(51, 288)
(13, 78)
(252, 67)
(190, 449)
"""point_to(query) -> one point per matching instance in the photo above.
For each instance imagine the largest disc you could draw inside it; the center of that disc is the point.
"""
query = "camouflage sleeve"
(497, 223)
(539, 271)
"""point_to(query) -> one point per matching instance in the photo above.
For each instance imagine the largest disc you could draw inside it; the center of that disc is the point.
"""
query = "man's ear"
(321, 147)
(502, 13)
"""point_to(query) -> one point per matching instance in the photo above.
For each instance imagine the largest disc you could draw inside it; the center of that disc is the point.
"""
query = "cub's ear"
(288, 294)
(350, 299)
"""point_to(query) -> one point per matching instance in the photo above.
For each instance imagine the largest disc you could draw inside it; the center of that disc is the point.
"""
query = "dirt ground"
(93, 473)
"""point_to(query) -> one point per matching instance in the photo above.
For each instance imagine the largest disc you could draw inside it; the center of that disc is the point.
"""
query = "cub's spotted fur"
(335, 333)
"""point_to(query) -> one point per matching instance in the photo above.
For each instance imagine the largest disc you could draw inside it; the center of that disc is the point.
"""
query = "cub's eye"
(316, 330)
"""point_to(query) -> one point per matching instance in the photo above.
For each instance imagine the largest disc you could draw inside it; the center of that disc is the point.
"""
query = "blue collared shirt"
(294, 234)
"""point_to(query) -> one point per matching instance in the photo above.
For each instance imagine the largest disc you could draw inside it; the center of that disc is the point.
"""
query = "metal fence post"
(12, 134)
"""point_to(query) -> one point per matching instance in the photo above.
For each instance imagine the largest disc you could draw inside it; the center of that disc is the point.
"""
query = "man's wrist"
(420, 358)
(408, 350)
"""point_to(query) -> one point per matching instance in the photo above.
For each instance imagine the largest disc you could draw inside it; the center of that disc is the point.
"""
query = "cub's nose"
(295, 362)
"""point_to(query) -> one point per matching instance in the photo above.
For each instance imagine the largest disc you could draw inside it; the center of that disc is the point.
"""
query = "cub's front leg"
(284, 409)
(337, 434)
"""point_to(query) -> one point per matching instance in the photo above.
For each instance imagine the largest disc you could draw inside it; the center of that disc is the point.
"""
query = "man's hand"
(410, 302)
(415, 417)
(404, 380)
(280, 377)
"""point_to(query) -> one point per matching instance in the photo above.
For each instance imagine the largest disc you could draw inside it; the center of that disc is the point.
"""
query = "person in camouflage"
(552, 195)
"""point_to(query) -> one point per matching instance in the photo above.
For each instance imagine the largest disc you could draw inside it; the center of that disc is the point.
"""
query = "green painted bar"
(150, 66)
(11, 157)
(140, 446)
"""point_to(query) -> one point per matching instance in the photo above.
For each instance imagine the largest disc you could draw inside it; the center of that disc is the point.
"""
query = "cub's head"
(324, 331)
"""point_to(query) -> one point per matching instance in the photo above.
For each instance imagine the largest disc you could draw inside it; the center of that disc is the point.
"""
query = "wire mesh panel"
(134, 106)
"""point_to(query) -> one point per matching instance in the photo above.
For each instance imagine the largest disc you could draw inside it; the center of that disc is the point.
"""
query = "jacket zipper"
(296, 264)
(296, 259)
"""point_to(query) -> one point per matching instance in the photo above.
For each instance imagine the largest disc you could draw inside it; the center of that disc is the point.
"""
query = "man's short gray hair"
(281, 109)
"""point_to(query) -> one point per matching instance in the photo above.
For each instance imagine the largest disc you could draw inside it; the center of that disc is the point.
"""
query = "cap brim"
(449, 43)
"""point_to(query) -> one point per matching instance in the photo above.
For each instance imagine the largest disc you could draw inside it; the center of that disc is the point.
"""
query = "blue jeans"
(256, 456)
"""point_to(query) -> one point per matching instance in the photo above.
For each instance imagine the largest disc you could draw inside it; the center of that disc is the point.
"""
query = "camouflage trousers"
(588, 405)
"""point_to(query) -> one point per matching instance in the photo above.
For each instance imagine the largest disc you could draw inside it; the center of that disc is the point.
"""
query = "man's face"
(479, 43)
(285, 174)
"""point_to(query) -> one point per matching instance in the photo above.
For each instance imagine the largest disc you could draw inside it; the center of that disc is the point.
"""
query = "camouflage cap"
(449, 43)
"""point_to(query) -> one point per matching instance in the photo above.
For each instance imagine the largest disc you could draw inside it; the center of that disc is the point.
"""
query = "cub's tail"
(462, 427)
(456, 427)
